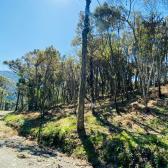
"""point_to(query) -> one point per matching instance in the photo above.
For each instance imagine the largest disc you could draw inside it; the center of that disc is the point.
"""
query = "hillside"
(10, 75)
(13, 77)
(132, 138)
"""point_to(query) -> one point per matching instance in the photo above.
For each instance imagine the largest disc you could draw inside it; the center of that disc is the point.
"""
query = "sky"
(26, 25)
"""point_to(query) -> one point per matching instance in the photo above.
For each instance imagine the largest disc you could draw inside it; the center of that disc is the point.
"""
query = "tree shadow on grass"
(144, 141)
(160, 113)
(89, 148)
(19, 143)
(1, 117)
(104, 121)
(28, 123)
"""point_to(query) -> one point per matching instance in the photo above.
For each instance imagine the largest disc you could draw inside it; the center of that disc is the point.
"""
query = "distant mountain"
(13, 77)
(9, 74)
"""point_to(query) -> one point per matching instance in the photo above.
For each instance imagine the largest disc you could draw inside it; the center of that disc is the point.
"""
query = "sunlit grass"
(133, 139)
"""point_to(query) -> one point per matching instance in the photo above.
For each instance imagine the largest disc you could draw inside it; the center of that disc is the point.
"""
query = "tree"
(80, 122)
(5, 88)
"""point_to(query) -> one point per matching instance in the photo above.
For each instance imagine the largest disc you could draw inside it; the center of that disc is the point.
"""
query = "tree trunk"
(136, 76)
(115, 98)
(53, 96)
(154, 77)
(32, 100)
(1, 101)
(159, 77)
(43, 101)
(91, 83)
(80, 122)
(17, 101)
(165, 73)
(37, 94)
(22, 100)
(96, 87)
(103, 82)
(4, 102)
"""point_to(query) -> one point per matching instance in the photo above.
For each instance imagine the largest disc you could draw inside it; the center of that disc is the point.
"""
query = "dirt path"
(19, 152)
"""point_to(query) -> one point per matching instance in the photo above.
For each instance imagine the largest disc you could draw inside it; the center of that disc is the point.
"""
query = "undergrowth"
(132, 139)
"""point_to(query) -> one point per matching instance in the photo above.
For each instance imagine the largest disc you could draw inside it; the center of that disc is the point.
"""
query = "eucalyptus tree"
(36, 70)
(5, 90)
(15, 66)
(80, 122)
(149, 51)
(108, 20)
(71, 79)
(48, 63)
(92, 64)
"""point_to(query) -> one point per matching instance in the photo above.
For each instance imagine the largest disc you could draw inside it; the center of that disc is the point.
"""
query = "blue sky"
(26, 25)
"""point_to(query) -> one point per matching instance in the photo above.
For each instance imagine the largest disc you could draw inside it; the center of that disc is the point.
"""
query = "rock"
(10, 145)
(48, 165)
(39, 160)
(39, 153)
(46, 155)
(21, 155)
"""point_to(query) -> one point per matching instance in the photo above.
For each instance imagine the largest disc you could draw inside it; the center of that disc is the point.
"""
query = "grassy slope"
(134, 138)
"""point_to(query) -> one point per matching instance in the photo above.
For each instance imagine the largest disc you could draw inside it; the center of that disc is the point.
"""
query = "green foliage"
(123, 149)
(6, 85)
(123, 65)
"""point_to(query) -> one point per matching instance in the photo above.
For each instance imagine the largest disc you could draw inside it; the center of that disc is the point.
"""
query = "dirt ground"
(19, 152)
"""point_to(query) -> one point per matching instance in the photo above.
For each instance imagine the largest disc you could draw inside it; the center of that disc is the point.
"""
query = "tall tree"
(80, 122)
(5, 87)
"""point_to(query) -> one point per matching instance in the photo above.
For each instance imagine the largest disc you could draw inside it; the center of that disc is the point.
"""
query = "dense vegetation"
(135, 138)
(7, 88)
(122, 54)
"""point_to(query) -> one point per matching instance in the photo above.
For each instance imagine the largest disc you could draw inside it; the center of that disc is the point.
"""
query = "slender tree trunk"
(37, 98)
(148, 84)
(111, 85)
(166, 69)
(22, 99)
(159, 79)
(43, 101)
(154, 80)
(130, 82)
(72, 84)
(17, 101)
(103, 89)
(91, 83)
(96, 87)
(123, 84)
(4, 102)
(165, 73)
(115, 98)
(57, 95)
(37, 95)
(1, 101)
(136, 76)
(53, 95)
(80, 122)
(103, 83)
(33, 102)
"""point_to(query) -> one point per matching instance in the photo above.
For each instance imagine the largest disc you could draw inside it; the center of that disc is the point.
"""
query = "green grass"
(129, 140)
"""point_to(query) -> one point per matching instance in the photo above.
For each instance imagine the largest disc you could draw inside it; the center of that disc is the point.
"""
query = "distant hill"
(9, 74)
(13, 77)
